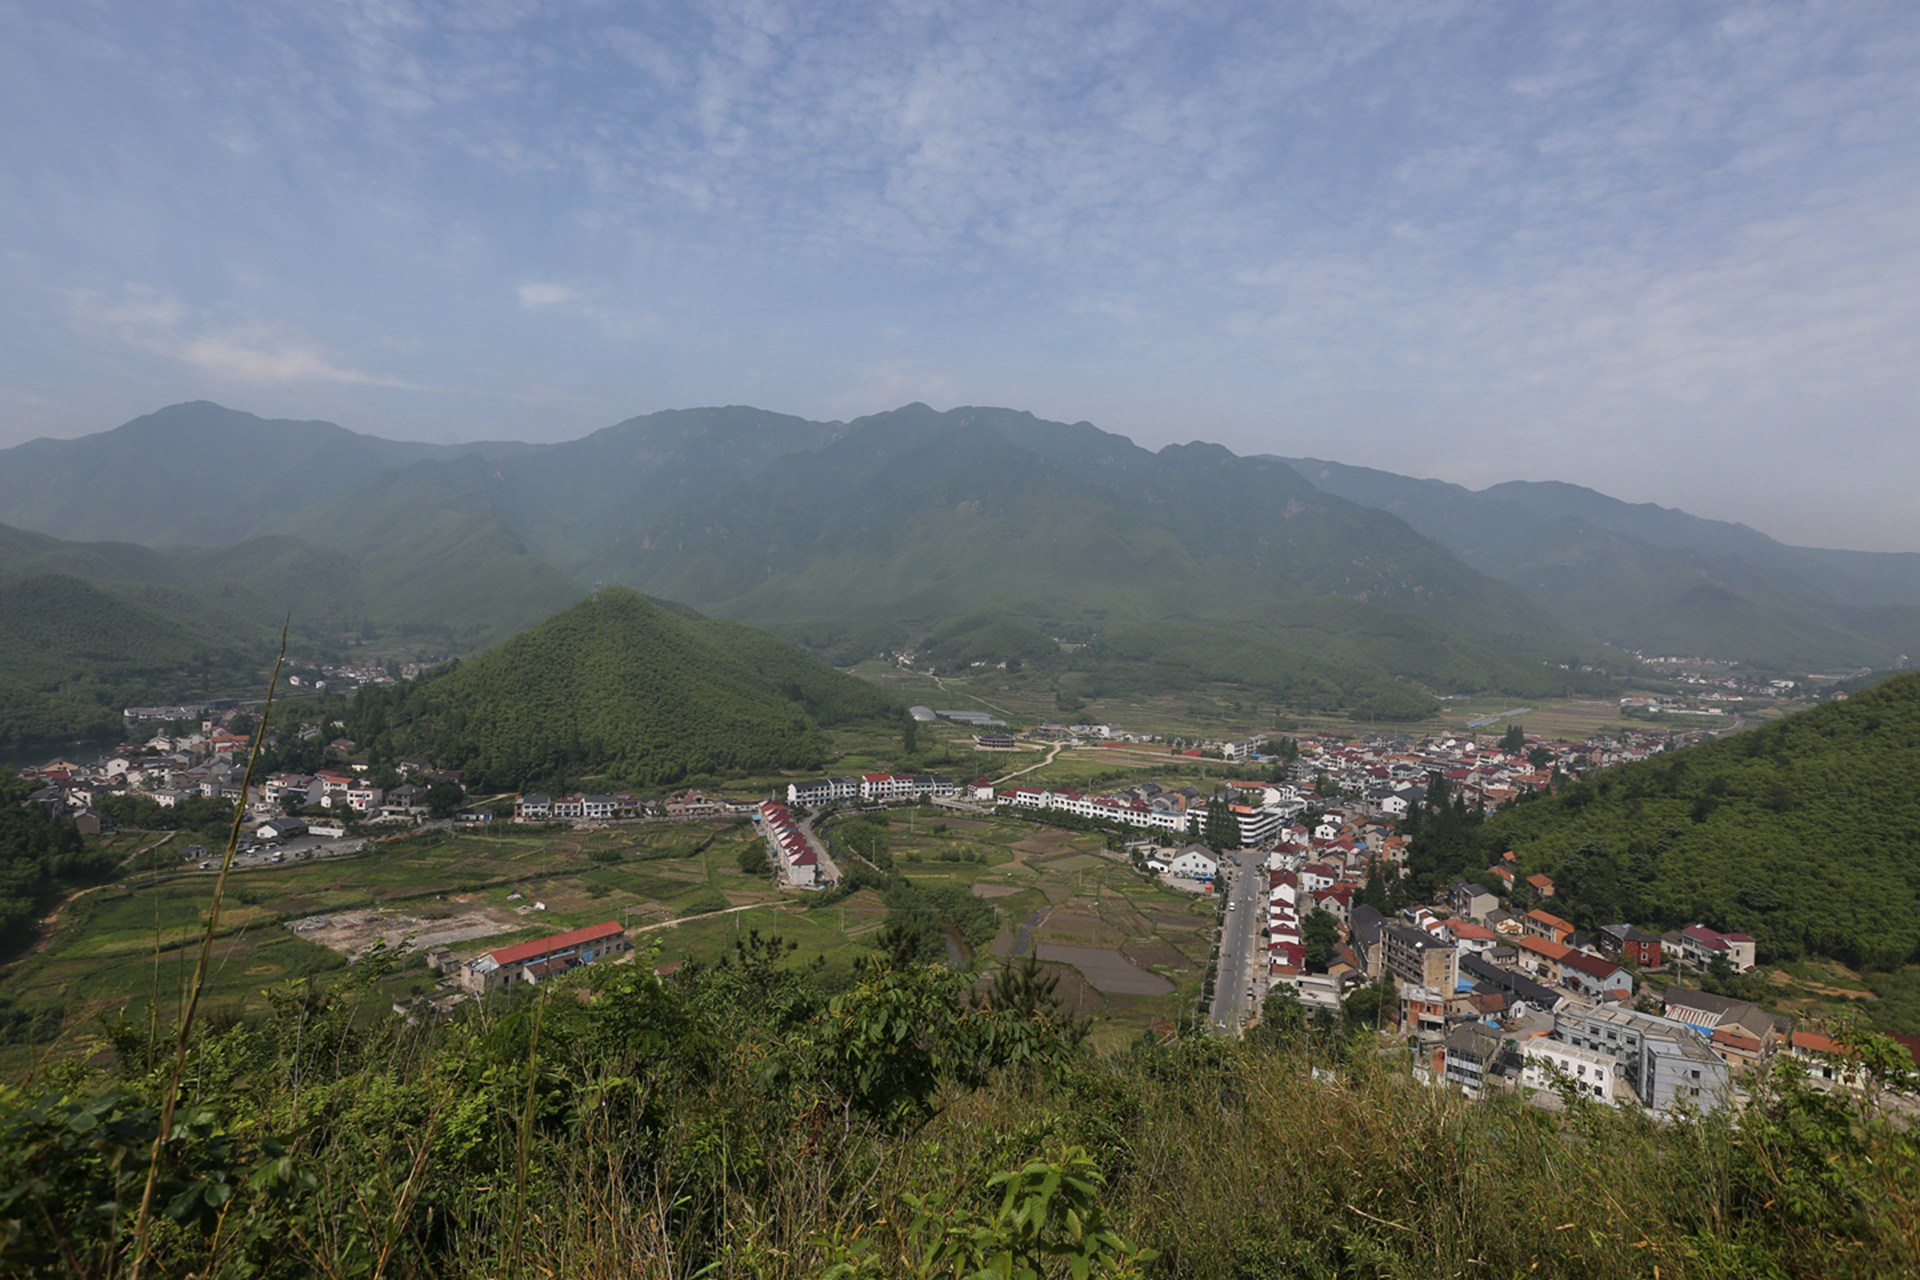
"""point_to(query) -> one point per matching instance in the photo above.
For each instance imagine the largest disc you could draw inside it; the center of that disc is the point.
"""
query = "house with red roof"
(1700, 945)
(1592, 976)
(542, 958)
(1543, 924)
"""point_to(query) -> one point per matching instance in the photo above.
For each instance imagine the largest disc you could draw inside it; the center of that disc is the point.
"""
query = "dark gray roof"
(1473, 1039)
(1367, 923)
(1418, 939)
(1516, 985)
(1627, 933)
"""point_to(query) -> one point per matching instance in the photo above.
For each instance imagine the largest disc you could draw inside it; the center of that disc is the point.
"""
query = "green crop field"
(128, 949)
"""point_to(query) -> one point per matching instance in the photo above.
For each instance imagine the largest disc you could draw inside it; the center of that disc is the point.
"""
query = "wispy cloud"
(149, 321)
(535, 294)
(1463, 235)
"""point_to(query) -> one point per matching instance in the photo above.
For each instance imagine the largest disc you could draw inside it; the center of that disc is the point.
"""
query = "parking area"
(266, 853)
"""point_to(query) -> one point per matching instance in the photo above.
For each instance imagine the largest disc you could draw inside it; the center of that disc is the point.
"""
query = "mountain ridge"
(1299, 576)
(1641, 570)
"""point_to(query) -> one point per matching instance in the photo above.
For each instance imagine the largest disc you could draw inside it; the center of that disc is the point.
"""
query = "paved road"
(828, 872)
(1242, 942)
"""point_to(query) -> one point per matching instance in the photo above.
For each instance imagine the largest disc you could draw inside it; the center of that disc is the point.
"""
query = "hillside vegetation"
(40, 857)
(745, 1119)
(73, 655)
(88, 628)
(1804, 833)
(623, 688)
(986, 535)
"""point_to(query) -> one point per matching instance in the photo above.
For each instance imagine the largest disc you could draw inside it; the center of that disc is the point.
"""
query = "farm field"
(1228, 711)
(126, 950)
(1129, 952)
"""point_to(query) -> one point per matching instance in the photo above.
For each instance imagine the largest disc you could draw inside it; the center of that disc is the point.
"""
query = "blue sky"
(1671, 251)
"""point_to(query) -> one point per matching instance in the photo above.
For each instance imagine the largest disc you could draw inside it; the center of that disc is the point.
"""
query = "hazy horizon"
(589, 430)
(1671, 253)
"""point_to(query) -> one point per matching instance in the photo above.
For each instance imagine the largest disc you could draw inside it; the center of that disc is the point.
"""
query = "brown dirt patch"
(351, 933)
(1045, 842)
(1781, 978)
(1105, 969)
(1078, 924)
(1155, 955)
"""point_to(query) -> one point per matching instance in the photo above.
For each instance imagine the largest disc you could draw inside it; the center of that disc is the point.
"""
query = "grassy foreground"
(736, 1120)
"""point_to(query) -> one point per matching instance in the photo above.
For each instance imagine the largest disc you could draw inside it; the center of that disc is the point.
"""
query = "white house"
(1591, 1070)
(1195, 862)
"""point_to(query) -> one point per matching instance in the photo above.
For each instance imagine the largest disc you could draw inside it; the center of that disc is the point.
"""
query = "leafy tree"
(1027, 991)
(1367, 1007)
(1283, 1019)
(884, 1045)
(1514, 740)
(1222, 829)
(444, 799)
(1319, 934)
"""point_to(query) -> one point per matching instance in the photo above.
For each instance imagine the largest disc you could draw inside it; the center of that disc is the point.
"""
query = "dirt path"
(976, 697)
(1030, 768)
(704, 915)
(52, 918)
(1023, 932)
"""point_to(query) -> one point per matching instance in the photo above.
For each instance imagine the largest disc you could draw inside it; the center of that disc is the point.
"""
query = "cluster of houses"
(166, 769)
(541, 807)
(1391, 774)
(1147, 806)
(348, 793)
(624, 806)
(1521, 999)
(1688, 1056)
(171, 768)
(793, 851)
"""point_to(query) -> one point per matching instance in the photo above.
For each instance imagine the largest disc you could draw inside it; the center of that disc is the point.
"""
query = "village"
(1490, 989)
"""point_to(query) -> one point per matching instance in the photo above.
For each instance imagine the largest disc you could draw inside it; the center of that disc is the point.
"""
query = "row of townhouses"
(793, 851)
(871, 788)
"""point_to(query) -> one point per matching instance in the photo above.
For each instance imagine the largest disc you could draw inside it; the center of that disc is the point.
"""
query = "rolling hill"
(72, 655)
(1804, 833)
(623, 688)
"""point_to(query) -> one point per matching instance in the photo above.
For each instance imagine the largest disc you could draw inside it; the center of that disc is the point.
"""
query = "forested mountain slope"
(624, 688)
(1227, 567)
(989, 532)
(1804, 833)
(73, 655)
(1656, 579)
